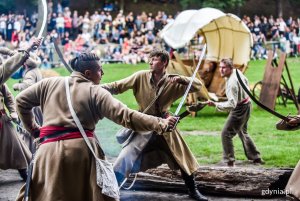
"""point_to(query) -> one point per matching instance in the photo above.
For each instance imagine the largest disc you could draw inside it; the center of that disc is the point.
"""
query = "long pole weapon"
(30, 168)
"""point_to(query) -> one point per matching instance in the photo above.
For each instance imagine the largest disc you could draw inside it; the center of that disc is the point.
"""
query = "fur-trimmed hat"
(33, 61)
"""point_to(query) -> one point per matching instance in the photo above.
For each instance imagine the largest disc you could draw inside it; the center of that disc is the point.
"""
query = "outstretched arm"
(16, 61)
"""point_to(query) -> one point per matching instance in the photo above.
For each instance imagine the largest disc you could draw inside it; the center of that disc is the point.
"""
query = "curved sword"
(256, 101)
(30, 167)
(60, 55)
(45, 12)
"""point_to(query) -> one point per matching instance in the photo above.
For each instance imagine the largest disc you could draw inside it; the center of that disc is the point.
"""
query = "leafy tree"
(220, 4)
(6, 5)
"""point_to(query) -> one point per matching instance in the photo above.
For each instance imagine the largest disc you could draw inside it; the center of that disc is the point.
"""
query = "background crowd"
(129, 37)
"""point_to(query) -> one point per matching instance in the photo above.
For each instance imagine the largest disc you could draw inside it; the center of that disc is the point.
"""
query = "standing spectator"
(170, 19)
(150, 24)
(264, 26)
(158, 24)
(34, 19)
(9, 27)
(86, 23)
(294, 42)
(17, 24)
(52, 22)
(28, 24)
(3, 19)
(138, 22)
(60, 25)
(102, 18)
(68, 22)
(75, 25)
(130, 22)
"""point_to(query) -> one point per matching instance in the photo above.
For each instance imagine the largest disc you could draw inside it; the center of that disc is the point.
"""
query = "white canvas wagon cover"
(226, 35)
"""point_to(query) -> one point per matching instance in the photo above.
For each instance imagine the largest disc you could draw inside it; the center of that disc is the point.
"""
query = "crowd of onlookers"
(271, 33)
(129, 37)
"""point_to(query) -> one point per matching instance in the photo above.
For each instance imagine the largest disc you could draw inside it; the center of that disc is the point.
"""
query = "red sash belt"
(244, 101)
(2, 112)
(56, 133)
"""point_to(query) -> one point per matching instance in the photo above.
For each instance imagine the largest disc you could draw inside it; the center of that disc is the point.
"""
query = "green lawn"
(278, 148)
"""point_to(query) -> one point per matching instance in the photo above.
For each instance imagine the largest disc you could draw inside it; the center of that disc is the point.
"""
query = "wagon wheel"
(256, 89)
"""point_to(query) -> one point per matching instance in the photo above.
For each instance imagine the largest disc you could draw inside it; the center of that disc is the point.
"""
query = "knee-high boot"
(23, 173)
(190, 183)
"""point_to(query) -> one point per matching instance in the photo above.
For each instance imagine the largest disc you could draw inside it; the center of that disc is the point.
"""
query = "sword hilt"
(170, 129)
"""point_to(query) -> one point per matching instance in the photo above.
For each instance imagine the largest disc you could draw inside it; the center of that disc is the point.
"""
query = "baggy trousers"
(237, 123)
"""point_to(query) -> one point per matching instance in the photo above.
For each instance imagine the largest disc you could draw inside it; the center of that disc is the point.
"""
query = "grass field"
(278, 148)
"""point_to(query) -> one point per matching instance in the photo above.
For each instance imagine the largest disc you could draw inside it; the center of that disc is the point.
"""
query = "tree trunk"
(237, 181)
(279, 7)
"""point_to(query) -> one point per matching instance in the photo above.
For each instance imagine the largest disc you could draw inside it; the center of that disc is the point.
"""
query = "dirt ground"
(10, 183)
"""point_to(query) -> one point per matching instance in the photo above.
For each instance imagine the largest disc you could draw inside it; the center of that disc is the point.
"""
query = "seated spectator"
(150, 37)
(79, 43)
(115, 36)
(15, 39)
(65, 39)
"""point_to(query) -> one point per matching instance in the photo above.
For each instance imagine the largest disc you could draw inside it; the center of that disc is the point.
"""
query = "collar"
(231, 75)
(76, 74)
(160, 82)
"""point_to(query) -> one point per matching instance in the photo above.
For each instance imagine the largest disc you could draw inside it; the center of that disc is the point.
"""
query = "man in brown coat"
(14, 154)
(64, 168)
(31, 75)
(149, 150)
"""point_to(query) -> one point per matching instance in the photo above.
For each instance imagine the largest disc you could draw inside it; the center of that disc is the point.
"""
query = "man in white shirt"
(239, 105)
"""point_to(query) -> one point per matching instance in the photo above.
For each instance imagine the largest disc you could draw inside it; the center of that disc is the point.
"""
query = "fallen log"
(237, 181)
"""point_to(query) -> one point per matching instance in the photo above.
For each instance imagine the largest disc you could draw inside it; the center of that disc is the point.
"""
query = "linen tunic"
(234, 92)
(65, 169)
(145, 91)
(239, 105)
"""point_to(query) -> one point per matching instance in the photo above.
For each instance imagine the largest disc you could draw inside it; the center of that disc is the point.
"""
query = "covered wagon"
(225, 35)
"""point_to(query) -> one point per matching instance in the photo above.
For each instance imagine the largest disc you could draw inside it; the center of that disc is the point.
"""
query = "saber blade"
(191, 82)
